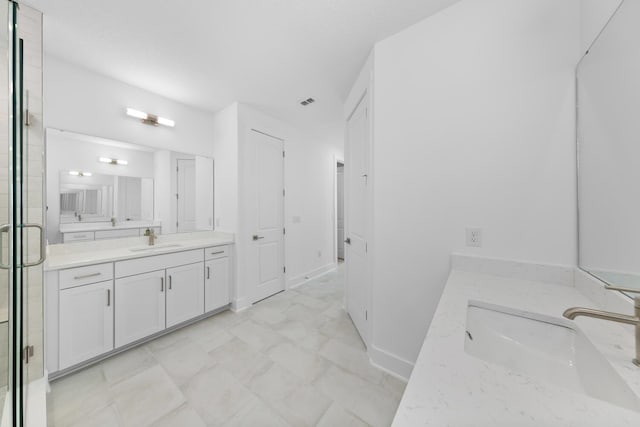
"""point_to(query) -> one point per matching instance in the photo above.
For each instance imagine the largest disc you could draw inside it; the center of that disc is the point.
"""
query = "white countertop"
(448, 387)
(77, 227)
(79, 254)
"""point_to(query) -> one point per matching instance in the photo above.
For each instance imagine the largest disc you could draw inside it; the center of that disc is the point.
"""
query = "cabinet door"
(185, 293)
(86, 322)
(141, 306)
(216, 284)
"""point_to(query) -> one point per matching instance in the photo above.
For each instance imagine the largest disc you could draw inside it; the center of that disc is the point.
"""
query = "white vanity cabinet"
(140, 302)
(217, 280)
(185, 293)
(86, 322)
(96, 310)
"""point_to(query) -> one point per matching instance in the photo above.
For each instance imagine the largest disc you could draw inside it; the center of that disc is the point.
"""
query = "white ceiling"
(209, 53)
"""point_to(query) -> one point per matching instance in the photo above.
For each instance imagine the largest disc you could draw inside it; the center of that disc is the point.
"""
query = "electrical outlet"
(474, 237)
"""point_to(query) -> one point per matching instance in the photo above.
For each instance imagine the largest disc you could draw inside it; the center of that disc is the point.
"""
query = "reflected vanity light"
(78, 173)
(150, 119)
(111, 161)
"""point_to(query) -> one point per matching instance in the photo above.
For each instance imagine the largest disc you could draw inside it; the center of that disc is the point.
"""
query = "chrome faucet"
(113, 221)
(574, 312)
(152, 236)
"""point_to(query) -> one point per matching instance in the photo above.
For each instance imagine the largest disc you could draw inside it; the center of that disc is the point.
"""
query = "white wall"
(225, 154)
(474, 126)
(82, 101)
(309, 183)
(594, 14)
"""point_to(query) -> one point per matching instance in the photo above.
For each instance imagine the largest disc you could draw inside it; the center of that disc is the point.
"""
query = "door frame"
(336, 160)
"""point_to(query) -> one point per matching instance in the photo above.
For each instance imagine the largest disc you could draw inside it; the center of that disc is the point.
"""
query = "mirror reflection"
(111, 189)
(608, 175)
(105, 198)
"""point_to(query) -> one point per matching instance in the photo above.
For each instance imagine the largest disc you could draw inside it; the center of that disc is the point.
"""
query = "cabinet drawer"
(157, 262)
(216, 252)
(85, 275)
(114, 234)
(78, 236)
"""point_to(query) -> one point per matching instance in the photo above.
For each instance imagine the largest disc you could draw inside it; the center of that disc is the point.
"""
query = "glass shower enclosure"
(22, 244)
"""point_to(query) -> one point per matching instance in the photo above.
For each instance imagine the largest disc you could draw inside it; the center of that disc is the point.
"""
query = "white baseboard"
(390, 363)
(241, 304)
(523, 270)
(314, 274)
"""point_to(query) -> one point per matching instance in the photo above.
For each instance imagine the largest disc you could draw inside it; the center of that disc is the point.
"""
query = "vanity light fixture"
(113, 161)
(150, 119)
(78, 173)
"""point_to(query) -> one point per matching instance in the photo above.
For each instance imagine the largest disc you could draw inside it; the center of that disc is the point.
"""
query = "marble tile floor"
(294, 359)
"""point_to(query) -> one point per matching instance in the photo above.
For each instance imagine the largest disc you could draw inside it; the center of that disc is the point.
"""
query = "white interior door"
(186, 195)
(357, 217)
(265, 206)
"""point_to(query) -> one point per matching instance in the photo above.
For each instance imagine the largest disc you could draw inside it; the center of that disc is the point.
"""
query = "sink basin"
(156, 247)
(545, 348)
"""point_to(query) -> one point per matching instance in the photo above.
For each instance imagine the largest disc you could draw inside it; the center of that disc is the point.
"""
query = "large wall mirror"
(104, 189)
(608, 115)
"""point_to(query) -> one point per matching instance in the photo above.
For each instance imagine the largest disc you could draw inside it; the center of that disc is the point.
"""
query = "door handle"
(86, 276)
(256, 237)
(5, 228)
(43, 248)
(348, 241)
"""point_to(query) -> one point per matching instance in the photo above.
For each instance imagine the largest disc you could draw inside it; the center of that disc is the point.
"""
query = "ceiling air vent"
(307, 101)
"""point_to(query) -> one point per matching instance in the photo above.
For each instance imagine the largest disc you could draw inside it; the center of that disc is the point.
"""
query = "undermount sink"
(156, 247)
(549, 349)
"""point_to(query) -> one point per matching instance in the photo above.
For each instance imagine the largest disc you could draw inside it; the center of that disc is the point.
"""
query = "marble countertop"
(78, 227)
(79, 254)
(448, 387)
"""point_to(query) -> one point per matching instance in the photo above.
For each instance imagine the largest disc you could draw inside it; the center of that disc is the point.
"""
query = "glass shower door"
(6, 276)
(21, 208)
